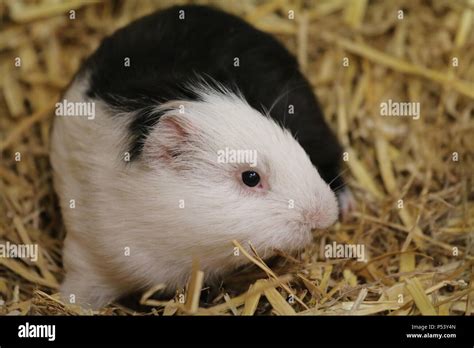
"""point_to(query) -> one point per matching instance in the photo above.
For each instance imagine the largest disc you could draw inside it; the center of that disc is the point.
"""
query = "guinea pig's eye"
(250, 178)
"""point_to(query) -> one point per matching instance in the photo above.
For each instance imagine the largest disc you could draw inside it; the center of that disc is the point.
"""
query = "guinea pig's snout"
(323, 215)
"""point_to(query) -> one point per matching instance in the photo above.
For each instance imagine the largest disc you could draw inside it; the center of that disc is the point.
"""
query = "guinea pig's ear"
(167, 141)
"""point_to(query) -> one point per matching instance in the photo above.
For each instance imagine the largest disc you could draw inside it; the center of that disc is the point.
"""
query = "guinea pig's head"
(228, 172)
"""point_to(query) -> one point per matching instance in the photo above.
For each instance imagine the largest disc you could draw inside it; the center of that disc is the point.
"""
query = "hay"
(412, 178)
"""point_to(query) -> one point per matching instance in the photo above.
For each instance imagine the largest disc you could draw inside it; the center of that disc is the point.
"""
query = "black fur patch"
(166, 52)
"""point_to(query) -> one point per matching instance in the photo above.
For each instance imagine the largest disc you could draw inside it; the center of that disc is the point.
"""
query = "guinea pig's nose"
(322, 217)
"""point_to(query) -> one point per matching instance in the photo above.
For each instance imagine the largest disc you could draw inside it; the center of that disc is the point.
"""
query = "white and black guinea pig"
(141, 186)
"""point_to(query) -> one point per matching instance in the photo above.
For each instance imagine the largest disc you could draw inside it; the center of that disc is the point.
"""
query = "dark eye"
(250, 178)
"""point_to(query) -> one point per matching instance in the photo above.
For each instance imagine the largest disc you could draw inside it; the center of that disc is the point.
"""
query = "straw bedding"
(412, 178)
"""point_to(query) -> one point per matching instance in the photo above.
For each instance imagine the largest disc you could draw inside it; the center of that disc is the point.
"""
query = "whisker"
(337, 176)
(340, 188)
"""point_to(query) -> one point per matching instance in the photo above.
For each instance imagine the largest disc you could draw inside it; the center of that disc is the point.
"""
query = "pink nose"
(321, 218)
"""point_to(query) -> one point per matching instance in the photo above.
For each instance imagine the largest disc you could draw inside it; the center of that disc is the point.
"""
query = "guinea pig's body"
(141, 188)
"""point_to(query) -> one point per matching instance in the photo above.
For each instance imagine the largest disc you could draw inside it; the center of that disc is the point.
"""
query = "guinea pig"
(152, 177)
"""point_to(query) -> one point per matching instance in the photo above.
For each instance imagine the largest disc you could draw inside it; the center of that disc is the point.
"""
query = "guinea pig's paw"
(347, 203)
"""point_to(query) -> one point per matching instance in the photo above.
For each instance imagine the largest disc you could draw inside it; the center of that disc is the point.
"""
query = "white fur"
(136, 205)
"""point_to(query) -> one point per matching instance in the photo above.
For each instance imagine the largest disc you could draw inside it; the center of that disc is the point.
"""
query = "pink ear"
(167, 140)
(173, 125)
